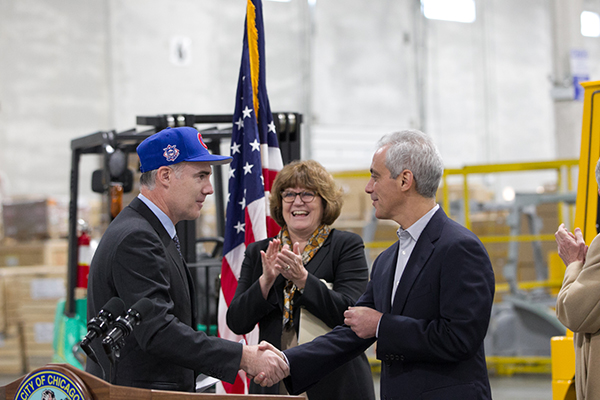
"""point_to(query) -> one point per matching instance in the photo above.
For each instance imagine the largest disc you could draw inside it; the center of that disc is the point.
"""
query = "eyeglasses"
(289, 197)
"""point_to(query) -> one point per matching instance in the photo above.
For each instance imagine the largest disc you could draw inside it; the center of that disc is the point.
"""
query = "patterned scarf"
(312, 246)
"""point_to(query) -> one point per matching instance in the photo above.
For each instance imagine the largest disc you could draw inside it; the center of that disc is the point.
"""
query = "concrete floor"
(522, 387)
(517, 387)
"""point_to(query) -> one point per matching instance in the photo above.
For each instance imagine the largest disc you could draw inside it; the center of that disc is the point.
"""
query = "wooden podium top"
(76, 384)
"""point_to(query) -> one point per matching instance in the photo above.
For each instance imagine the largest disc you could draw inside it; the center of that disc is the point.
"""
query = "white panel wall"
(53, 87)
(356, 69)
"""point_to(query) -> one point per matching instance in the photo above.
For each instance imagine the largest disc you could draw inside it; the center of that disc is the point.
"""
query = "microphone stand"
(115, 339)
(113, 357)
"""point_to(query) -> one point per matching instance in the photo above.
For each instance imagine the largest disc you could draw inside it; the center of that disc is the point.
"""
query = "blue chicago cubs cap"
(174, 145)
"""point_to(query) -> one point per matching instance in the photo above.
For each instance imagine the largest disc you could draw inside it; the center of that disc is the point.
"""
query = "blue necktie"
(178, 245)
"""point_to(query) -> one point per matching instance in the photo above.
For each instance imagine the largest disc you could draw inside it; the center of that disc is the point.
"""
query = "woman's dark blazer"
(341, 261)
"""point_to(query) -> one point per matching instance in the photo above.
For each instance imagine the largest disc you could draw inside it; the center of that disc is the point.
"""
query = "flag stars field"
(243, 202)
(255, 145)
(248, 168)
(240, 227)
(239, 123)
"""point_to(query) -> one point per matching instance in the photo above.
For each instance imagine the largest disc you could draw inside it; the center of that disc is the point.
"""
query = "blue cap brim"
(211, 158)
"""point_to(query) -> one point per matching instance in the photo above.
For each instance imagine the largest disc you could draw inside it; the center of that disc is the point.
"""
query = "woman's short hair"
(311, 175)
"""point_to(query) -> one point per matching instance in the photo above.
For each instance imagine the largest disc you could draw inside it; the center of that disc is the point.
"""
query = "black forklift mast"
(105, 143)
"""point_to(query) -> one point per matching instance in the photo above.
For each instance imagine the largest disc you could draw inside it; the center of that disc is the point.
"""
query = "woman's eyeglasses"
(288, 196)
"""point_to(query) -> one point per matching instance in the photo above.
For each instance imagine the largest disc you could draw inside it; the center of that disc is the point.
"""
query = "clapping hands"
(571, 246)
(290, 265)
(269, 259)
(286, 262)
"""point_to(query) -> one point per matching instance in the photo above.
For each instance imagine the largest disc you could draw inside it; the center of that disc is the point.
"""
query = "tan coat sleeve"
(578, 302)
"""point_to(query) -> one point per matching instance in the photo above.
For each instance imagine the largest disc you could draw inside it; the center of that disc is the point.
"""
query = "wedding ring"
(287, 267)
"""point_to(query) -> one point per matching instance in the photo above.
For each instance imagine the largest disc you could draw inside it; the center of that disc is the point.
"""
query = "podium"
(72, 383)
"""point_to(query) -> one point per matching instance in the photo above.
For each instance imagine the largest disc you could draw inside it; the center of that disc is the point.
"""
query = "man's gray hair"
(148, 178)
(415, 151)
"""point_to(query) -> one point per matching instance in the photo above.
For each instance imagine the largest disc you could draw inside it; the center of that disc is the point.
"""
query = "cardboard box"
(37, 343)
(26, 219)
(48, 252)
(30, 297)
(477, 192)
(11, 352)
(357, 203)
(3, 307)
(31, 293)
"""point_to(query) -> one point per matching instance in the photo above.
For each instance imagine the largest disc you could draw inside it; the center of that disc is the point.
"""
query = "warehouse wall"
(53, 87)
(355, 69)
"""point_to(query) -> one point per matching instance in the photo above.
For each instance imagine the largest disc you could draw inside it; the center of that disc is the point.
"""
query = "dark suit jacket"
(430, 341)
(136, 258)
(341, 261)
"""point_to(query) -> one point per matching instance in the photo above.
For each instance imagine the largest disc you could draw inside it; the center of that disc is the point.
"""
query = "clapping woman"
(307, 265)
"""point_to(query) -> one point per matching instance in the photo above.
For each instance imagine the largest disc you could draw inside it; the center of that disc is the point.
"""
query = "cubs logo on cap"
(175, 145)
(202, 141)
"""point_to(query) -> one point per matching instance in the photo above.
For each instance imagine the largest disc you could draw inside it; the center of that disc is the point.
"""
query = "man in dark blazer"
(429, 299)
(138, 257)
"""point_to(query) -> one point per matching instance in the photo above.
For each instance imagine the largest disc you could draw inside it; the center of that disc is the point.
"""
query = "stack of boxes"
(11, 361)
(28, 299)
(32, 280)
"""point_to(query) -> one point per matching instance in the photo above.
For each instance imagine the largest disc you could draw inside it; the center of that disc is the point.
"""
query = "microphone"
(99, 325)
(123, 326)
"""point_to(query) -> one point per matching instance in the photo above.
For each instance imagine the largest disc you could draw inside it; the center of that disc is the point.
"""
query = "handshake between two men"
(264, 363)
(267, 365)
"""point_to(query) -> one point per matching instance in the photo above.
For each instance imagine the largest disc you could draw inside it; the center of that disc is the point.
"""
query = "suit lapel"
(278, 287)
(317, 260)
(418, 259)
(167, 242)
(389, 284)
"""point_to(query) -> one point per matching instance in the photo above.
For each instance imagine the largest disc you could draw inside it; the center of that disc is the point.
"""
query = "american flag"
(256, 161)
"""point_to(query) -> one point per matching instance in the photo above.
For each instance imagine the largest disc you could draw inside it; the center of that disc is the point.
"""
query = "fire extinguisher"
(116, 198)
(84, 256)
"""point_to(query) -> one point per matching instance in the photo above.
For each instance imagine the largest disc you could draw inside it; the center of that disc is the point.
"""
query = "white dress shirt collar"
(162, 217)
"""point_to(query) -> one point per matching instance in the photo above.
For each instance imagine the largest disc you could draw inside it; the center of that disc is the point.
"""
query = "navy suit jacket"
(137, 258)
(430, 341)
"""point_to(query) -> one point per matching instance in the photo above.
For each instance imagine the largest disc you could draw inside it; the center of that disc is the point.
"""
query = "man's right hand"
(264, 365)
(571, 247)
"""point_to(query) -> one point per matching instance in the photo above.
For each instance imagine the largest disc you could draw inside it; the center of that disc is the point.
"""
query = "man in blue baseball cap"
(176, 153)
(174, 145)
(139, 257)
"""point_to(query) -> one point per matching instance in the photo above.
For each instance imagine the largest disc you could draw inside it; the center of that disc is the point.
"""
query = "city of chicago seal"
(47, 384)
